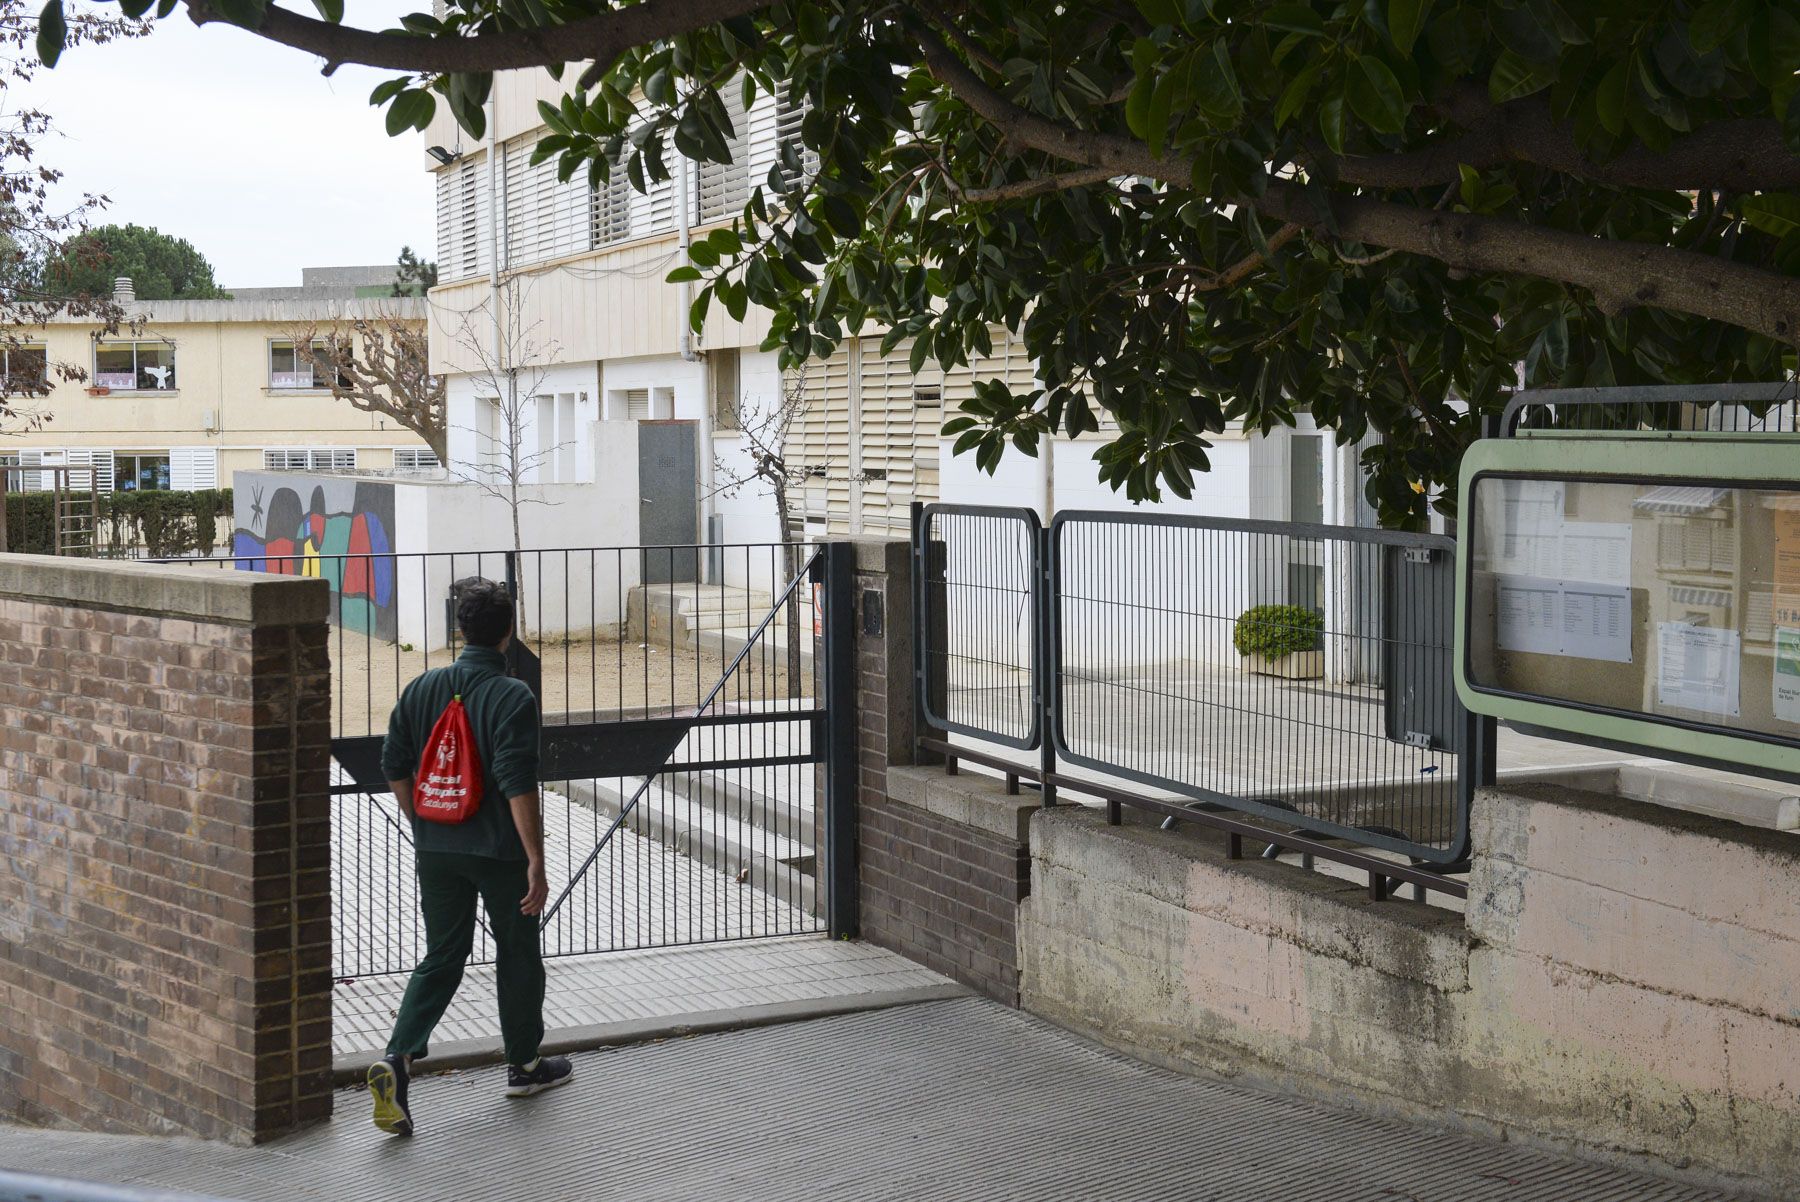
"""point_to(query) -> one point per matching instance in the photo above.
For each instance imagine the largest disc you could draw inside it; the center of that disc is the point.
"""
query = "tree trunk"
(796, 687)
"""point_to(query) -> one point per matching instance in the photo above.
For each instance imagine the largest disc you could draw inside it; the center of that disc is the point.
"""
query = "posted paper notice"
(1563, 617)
(1697, 668)
(1787, 674)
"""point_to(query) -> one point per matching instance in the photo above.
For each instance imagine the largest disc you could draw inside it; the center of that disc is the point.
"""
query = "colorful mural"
(329, 526)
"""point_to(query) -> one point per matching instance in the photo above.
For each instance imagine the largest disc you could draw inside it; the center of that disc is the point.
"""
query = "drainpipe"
(494, 242)
(685, 294)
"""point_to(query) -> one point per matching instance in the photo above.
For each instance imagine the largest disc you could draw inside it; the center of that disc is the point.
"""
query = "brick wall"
(165, 928)
(942, 862)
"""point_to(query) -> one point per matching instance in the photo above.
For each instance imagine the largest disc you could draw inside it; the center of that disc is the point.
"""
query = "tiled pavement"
(668, 985)
(957, 1099)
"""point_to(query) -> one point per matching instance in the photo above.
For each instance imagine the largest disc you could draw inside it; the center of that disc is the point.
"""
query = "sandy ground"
(581, 678)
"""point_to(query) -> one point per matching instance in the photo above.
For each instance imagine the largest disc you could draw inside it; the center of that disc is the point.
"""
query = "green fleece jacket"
(504, 716)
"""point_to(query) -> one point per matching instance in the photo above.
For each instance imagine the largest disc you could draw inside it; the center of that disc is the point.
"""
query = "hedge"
(1277, 630)
(156, 524)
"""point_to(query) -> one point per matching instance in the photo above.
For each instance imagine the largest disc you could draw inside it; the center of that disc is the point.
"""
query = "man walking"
(495, 853)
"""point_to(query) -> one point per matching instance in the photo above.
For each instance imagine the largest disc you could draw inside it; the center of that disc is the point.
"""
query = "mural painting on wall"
(339, 529)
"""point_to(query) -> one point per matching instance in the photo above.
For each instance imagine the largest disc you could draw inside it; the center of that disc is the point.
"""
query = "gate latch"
(1418, 738)
(1420, 554)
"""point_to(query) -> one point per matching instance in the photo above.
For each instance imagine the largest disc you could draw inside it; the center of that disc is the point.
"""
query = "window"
(135, 366)
(722, 189)
(612, 208)
(141, 471)
(462, 216)
(415, 459)
(26, 367)
(310, 459)
(928, 396)
(289, 367)
(724, 365)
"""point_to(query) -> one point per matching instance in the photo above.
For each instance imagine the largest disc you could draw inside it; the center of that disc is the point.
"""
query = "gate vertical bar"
(839, 859)
(1043, 671)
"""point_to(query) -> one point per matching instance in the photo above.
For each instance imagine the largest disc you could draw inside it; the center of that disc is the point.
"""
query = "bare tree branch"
(380, 364)
(1619, 275)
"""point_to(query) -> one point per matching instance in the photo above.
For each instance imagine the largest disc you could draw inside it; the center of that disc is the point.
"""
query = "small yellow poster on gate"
(1787, 566)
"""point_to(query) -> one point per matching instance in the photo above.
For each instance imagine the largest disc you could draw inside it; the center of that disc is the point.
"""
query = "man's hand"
(537, 891)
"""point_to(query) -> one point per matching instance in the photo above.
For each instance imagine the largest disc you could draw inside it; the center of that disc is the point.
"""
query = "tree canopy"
(1194, 212)
(161, 266)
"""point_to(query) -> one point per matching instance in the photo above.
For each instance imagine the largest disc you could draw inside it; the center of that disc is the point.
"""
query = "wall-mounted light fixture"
(446, 157)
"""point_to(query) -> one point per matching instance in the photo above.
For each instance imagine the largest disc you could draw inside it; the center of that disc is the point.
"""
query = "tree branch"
(1742, 155)
(602, 37)
(1620, 275)
(1023, 189)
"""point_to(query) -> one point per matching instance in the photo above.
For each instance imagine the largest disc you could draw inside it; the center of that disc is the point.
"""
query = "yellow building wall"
(221, 373)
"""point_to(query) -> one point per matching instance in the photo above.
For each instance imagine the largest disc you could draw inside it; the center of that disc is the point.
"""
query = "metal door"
(668, 501)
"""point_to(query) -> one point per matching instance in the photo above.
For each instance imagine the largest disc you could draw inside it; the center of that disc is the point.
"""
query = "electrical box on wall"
(1636, 591)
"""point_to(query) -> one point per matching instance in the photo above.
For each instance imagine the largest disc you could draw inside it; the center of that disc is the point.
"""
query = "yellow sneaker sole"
(384, 1089)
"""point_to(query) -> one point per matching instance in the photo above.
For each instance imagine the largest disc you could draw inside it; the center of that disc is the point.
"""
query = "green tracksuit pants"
(449, 885)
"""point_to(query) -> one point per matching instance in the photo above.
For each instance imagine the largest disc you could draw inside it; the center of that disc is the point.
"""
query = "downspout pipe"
(684, 215)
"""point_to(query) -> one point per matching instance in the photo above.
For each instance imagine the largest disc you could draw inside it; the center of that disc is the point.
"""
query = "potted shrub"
(1280, 640)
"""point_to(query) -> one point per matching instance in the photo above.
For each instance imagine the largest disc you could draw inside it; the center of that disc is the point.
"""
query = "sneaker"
(547, 1072)
(387, 1085)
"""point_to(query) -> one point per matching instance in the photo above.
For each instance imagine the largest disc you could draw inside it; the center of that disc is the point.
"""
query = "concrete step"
(773, 863)
(675, 613)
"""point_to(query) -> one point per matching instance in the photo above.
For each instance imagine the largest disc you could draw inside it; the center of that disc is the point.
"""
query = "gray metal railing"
(1752, 408)
(1285, 682)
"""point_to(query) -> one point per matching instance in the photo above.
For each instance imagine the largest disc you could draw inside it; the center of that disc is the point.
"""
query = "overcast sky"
(241, 147)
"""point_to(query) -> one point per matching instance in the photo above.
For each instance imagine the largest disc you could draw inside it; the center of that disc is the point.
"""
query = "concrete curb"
(479, 1053)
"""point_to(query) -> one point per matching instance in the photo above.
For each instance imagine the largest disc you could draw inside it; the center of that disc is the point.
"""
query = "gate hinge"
(1418, 738)
(1420, 554)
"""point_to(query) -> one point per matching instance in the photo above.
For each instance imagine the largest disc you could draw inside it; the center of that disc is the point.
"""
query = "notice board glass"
(1640, 607)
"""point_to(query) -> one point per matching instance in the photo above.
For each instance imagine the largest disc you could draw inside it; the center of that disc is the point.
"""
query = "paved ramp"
(958, 1099)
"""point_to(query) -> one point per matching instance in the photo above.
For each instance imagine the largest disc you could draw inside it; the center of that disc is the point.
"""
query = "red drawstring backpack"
(448, 787)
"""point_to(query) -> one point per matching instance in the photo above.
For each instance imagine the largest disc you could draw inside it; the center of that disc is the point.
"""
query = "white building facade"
(599, 343)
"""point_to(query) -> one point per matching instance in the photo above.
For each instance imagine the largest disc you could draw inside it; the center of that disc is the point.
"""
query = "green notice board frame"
(1703, 460)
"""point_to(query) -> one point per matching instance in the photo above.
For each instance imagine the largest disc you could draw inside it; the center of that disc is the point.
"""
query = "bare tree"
(766, 432)
(34, 225)
(380, 363)
(510, 364)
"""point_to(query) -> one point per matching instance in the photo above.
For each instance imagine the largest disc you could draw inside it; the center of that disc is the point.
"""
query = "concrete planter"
(1295, 665)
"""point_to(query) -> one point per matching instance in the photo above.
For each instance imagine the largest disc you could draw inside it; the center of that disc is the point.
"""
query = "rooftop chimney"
(123, 291)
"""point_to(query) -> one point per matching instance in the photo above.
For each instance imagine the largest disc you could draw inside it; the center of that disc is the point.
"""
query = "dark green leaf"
(1374, 95)
(1611, 96)
(1406, 20)
(52, 32)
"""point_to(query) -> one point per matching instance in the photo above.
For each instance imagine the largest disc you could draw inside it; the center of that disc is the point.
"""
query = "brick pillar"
(165, 907)
(943, 861)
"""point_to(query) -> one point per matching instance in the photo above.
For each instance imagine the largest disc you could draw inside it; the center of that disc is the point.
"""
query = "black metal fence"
(1750, 408)
(1212, 670)
(682, 718)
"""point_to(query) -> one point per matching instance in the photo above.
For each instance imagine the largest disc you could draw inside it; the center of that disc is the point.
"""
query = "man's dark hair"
(484, 611)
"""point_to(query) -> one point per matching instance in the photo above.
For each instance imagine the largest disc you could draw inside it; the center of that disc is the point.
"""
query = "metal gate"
(687, 749)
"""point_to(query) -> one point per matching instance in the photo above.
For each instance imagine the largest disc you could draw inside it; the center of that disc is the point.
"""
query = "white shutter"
(653, 212)
(637, 404)
(722, 189)
(545, 218)
(611, 208)
(894, 437)
(193, 468)
(821, 440)
(461, 212)
(101, 463)
(34, 481)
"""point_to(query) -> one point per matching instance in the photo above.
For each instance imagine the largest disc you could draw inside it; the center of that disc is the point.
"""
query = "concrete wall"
(165, 907)
(1627, 981)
